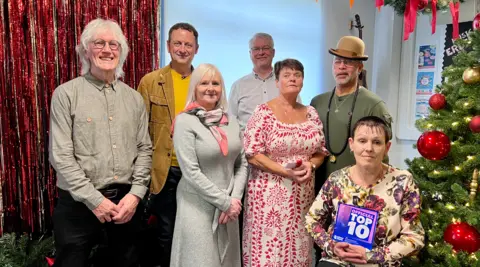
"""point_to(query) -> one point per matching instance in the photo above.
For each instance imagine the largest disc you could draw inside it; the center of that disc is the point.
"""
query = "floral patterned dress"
(396, 197)
(275, 208)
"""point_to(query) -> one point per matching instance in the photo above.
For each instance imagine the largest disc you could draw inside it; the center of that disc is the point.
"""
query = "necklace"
(337, 105)
(333, 156)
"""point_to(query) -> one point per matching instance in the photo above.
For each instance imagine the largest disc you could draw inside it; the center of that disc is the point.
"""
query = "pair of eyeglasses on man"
(99, 43)
(259, 49)
(346, 62)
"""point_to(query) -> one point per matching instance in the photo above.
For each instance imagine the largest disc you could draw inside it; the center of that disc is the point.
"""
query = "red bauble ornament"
(422, 5)
(475, 124)
(437, 101)
(433, 145)
(462, 236)
(50, 261)
(476, 22)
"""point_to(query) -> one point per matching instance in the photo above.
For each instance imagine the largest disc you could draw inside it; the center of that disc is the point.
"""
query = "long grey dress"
(209, 181)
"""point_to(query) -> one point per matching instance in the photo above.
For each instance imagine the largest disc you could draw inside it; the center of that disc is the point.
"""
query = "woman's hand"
(357, 249)
(223, 219)
(234, 209)
(293, 174)
(350, 253)
(303, 172)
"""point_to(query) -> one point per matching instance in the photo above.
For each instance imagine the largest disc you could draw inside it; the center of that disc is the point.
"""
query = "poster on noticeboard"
(424, 89)
(426, 56)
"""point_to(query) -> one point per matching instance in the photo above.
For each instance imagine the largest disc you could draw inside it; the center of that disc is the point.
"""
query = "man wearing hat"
(341, 108)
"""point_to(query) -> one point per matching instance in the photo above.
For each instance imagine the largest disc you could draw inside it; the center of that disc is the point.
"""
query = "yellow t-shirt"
(180, 91)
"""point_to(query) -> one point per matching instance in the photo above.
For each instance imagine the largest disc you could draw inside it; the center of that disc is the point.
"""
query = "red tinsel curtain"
(37, 53)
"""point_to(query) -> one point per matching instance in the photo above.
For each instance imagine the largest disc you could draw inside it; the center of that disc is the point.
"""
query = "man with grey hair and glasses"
(101, 150)
(258, 86)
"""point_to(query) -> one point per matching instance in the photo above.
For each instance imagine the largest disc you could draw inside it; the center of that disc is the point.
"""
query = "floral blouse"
(396, 197)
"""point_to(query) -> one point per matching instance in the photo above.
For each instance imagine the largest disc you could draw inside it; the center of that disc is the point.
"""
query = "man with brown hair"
(165, 94)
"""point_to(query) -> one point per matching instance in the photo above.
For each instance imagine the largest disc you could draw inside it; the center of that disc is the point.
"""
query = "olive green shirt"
(99, 137)
(367, 104)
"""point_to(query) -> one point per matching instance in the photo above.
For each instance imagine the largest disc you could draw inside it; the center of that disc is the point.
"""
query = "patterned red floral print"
(274, 233)
(374, 203)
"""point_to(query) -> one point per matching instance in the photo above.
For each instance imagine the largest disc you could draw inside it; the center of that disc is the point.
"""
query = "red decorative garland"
(454, 10)
(410, 18)
(434, 16)
(379, 4)
(37, 53)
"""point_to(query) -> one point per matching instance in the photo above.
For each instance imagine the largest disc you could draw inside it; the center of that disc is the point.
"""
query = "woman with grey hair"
(214, 172)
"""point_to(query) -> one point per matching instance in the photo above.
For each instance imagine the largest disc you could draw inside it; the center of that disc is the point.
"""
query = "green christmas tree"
(450, 146)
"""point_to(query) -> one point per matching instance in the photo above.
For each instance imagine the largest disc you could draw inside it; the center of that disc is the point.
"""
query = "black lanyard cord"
(350, 115)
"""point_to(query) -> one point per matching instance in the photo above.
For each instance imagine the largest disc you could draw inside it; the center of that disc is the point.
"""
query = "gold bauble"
(471, 75)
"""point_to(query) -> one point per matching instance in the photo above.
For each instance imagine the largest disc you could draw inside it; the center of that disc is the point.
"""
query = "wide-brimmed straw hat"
(350, 47)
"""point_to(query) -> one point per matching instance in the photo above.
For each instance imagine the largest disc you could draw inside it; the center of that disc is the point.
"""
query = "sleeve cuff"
(237, 195)
(226, 203)
(369, 255)
(138, 190)
(328, 248)
(94, 201)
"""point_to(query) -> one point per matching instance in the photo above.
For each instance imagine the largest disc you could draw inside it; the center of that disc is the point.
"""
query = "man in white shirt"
(258, 86)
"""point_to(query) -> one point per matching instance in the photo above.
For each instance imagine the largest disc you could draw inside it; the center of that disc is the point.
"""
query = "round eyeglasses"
(100, 44)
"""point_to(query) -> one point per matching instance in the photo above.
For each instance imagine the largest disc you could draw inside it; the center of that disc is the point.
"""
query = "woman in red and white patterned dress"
(281, 131)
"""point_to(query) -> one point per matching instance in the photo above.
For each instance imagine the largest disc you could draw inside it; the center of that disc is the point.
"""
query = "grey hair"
(94, 27)
(263, 36)
(197, 75)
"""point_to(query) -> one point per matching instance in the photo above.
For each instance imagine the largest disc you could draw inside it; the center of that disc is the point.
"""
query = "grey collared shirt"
(99, 137)
(247, 93)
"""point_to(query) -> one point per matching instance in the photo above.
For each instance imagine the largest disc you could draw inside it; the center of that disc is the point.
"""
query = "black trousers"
(77, 231)
(164, 206)
(320, 178)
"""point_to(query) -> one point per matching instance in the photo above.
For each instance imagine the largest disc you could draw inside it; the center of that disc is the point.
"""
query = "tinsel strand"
(3, 110)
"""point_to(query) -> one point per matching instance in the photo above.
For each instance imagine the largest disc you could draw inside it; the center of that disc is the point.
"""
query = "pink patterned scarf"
(212, 119)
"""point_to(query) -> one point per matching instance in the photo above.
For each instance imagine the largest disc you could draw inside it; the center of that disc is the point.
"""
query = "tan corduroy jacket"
(156, 89)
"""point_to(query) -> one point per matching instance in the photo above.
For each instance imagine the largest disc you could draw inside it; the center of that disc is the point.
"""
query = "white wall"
(225, 28)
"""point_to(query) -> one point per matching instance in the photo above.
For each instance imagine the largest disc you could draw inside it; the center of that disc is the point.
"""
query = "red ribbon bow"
(410, 18)
(379, 4)
(454, 9)
(434, 15)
